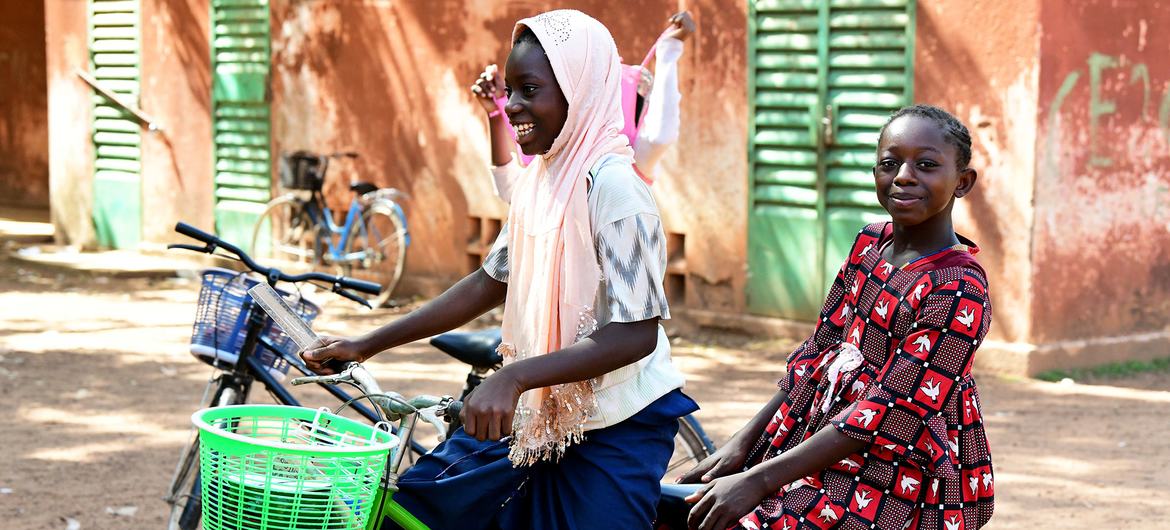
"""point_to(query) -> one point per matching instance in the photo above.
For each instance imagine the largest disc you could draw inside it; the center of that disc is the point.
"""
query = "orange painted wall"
(1102, 227)
(176, 91)
(24, 130)
(70, 123)
(986, 75)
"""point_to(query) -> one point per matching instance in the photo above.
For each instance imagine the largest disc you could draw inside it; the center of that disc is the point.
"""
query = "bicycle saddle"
(672, 509)
(477, 348)
(363, 188)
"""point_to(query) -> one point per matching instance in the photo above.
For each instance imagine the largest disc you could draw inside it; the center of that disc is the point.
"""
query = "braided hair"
(953, 130)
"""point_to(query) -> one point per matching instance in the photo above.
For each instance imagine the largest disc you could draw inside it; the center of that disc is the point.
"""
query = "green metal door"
(117, 182)
(239, 98)
(824, 75)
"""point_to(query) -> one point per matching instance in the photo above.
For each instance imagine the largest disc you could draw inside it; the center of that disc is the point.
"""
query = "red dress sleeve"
(830, 325)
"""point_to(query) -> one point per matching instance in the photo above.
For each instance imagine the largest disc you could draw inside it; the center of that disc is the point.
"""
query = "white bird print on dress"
(974, 483)
(883, 309)
(862, 498)
(987, 481)
(854, 289)
(855, 337)
(800, 370)
(849, 462)
(918, 291)
(954, 443)
(858, 386)
(889, 447)
(751, 525)
(954, 523)
(888, 268)
(934, 487)
(966, 317)
(786, 527)
(865, 250)
(907, 525)
(828, 514)
(845, 312)
(866, 416)
(909, 484)
(931, 388)
(923, 343)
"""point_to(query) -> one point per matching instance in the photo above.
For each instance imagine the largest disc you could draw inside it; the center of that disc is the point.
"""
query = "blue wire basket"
(221, 323)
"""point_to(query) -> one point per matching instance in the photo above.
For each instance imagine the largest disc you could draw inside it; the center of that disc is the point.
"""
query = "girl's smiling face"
(917, 175)
(536, 105)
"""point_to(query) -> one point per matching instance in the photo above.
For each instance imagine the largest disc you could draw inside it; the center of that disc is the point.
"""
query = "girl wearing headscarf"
(650, 108)
(575, 431)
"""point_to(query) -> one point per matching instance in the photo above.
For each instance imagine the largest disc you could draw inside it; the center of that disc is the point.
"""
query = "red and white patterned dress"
(889, 364)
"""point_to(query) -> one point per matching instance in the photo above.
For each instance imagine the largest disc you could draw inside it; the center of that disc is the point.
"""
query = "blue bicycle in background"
(299, 228)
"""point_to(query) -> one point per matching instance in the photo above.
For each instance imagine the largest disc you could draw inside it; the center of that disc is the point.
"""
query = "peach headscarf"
(553, 268)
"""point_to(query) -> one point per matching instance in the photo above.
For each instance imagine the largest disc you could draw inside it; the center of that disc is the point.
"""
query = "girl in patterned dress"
(877, 421)
(577, 428)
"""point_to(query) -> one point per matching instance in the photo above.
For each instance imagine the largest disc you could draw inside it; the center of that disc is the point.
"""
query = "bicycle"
(263, 353)
(245, 346)
(381, 506)
(370, 244)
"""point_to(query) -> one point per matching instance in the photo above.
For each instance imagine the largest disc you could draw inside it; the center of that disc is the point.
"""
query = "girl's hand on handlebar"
(488, 411)
(488, 86)
(330, 354)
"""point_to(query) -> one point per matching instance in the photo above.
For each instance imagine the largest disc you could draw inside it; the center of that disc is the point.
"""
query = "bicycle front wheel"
(286, 232)
(377, 251)
(185, 496)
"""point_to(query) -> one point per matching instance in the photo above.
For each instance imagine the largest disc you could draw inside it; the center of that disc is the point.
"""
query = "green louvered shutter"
(783, 216)
(117, 181)
(240, 62)
(870, 57)
(824, 75)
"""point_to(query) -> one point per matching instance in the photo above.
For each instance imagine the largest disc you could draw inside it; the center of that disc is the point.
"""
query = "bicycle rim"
(378, 250)
(286, 233)
(689, 447)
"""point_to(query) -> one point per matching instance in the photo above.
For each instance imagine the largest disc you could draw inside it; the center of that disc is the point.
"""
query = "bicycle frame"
(322, 215)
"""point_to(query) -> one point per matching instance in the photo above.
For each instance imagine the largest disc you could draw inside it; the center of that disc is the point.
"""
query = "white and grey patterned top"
(631, 250)
(631, 247)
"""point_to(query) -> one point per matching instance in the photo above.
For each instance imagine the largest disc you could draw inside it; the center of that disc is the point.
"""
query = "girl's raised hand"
(488, 86)
(683, 24)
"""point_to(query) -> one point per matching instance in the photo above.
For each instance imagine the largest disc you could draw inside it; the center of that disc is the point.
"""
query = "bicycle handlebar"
(338, 282)
(392, 402)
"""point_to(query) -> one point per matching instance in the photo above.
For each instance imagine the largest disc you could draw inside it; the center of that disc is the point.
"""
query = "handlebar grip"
(454, 409)
(360, 285)
(195, 233)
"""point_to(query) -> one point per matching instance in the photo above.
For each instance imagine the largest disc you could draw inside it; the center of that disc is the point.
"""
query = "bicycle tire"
(187, 509)
(285, 232)
(691, 445)
(382, 240)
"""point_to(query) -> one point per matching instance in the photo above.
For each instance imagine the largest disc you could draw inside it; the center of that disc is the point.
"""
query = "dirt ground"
(99, 388)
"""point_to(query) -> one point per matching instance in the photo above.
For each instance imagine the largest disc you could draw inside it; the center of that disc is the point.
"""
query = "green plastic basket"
(272, 466)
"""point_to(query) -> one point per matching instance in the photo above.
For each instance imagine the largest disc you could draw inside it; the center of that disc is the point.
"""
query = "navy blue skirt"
(609, 480)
